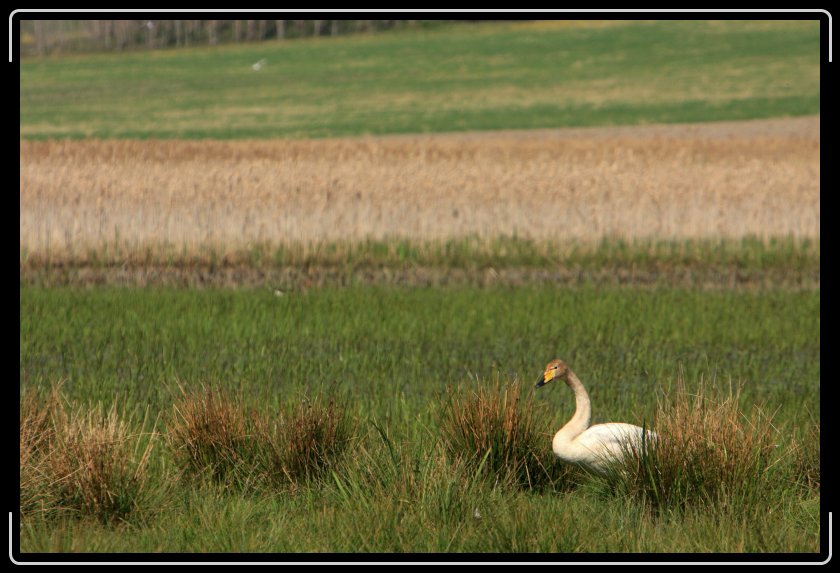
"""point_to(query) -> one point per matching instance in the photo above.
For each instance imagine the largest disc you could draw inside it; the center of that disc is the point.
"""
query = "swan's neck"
(583, 411)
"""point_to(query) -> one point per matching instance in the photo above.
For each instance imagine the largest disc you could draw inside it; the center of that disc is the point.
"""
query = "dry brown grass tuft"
(214, 434)
(84, 462)
(102, 465)
(311, 438)
(708, 452)
(493, 429)
(38, 414)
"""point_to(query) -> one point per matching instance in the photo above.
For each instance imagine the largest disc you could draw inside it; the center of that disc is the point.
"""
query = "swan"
(592, 447)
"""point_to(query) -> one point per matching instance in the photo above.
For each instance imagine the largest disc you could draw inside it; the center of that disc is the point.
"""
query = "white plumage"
(590, 447)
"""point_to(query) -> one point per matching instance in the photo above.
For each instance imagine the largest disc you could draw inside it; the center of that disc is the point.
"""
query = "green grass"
(491, 76)
(384, 344)
(316, 522)
(389, 354)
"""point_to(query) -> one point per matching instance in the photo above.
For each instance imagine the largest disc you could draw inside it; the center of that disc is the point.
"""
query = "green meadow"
(383, 344)
(391, 356)
(494, 76)
(291, 398)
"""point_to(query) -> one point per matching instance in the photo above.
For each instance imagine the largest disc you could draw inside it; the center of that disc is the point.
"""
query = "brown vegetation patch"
(718, 180)
(215, 434)
(286, 280)
(707, 451)
(83, 462)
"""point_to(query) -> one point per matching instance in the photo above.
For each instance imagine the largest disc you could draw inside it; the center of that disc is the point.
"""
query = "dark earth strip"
(299, 279)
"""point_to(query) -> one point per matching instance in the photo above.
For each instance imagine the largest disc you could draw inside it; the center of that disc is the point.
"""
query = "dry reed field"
(723, 180)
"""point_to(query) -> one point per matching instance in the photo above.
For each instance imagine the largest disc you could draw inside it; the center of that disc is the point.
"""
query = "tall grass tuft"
(310, 438)
(708, 452)
(37, 441)
(494, 429)
(215, 435)
(807, 457)
(37, 414)
(101, 465)
(86, 462)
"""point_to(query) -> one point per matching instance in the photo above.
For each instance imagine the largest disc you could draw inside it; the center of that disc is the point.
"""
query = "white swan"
(590, 447)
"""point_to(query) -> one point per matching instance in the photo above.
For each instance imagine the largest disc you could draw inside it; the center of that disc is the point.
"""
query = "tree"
(40, 37)
(211, 31)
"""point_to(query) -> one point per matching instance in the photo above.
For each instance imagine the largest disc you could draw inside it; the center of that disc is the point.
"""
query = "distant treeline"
(40, 37)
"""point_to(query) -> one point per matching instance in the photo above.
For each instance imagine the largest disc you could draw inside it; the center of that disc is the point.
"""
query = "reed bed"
(228, 196)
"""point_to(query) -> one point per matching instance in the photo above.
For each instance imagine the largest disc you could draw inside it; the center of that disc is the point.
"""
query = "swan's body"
(590, 447)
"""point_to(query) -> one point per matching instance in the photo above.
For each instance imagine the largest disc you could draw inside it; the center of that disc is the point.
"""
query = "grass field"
(453, 79)
(264, 344)
(390, 354)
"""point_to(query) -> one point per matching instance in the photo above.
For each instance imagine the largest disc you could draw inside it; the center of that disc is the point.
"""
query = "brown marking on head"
(559, 367)
(554, 370)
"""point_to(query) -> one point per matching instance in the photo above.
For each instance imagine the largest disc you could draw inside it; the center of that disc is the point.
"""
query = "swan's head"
(554, 370)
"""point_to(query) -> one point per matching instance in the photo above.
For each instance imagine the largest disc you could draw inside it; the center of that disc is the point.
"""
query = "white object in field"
(595, 447)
